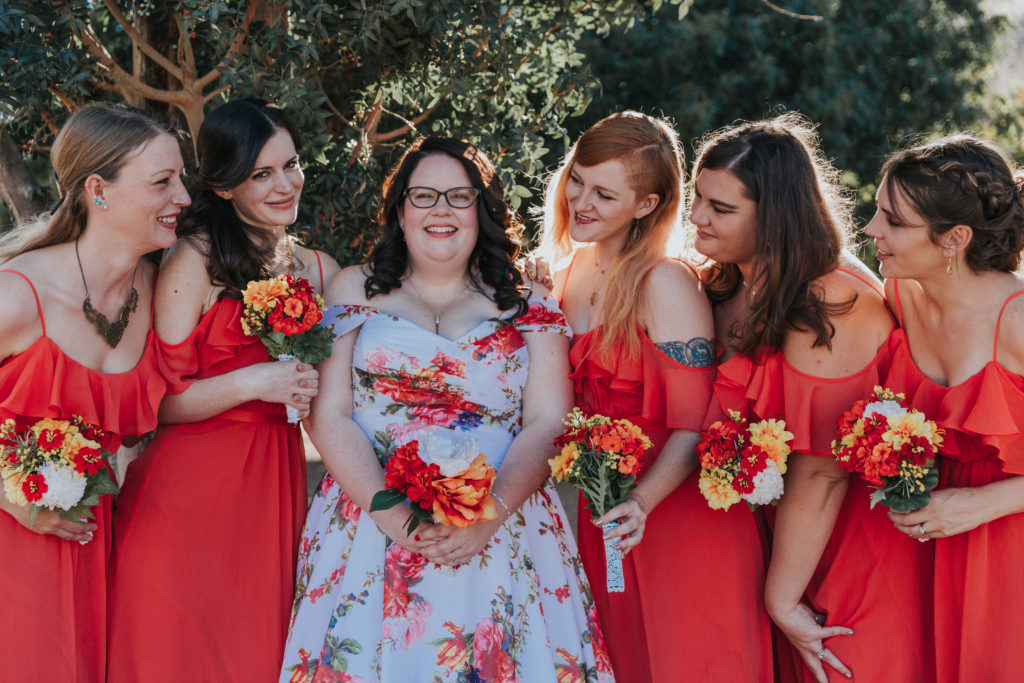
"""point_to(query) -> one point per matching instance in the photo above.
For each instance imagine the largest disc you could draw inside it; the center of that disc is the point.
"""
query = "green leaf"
(386, 499)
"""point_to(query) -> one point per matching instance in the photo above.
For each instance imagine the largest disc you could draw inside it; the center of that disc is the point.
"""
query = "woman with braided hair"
(949, 232)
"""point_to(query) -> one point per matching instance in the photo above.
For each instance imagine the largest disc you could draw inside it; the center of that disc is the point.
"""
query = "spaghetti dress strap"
(899, 307)
(39, 306)
(565, 283)
(869, 283)
(999, 320)
(320, 267)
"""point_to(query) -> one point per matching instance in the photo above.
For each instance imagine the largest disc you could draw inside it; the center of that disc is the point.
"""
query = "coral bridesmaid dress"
(206, 530)
(693, 604)
(979, 596)
(870, 578)
(53, 625)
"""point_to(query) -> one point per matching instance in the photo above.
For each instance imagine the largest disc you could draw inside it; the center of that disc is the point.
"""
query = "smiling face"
(601, 203)
(902, 239)
(440, 233)
(725, 218)
(146, 198)
(270, 197)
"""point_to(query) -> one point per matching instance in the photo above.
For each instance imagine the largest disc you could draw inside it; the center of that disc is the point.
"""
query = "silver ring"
(454, 559)
(923, 540)
(920, 528)
(821, 654)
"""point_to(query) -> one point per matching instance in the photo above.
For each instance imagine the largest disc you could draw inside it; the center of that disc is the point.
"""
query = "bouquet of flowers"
(443, 478)
(285, 312)
(55, 464)
(743, 462)
(892, 447)
(601, 457)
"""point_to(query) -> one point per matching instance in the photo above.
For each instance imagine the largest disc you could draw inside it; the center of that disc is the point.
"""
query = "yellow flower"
(562, 464)
(771, 436)
(13, 490)
(910, 423)
(262, 295)
(717, 489)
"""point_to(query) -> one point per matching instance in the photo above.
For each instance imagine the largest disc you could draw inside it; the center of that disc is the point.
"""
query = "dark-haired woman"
(803, 327)
(207, 526)
(949, 231)
(441, 351)
(76, 340)
(643, 351)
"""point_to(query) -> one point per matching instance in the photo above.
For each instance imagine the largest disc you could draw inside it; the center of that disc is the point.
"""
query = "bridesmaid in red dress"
(207, 525)
(803, 327)
(643, 351)
(75, 339)
(949, 232)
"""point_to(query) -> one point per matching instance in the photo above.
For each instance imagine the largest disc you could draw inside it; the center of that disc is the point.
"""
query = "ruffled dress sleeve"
(770, 388)
(346, 317)
(674, 394)
(543, 315)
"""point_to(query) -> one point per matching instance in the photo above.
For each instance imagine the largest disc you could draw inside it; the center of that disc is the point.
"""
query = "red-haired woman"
(949, 232)
(803, 328)
(643, 350)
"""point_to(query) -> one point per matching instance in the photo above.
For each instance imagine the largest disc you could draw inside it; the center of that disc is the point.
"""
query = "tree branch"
(141, 42)
(186, 57)
(121, 78)
(792, 15)
(409, 125)
(330, 103)
(237, 46)
(551, 31)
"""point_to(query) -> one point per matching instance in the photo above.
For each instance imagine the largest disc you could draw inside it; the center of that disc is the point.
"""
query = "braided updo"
(961, 180)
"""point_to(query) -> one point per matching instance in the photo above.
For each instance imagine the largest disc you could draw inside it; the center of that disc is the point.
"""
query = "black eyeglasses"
(457, 197)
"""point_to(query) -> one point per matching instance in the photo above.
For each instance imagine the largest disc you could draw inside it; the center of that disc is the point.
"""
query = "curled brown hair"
(961, 180)
(803, 224)
(494, 260)
(97, 139)
(649, 149)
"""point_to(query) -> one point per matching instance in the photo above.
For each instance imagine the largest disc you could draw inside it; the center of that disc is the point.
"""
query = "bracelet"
(508, 513)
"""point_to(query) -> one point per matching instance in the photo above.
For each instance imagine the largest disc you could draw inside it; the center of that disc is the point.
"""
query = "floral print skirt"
(368, 610)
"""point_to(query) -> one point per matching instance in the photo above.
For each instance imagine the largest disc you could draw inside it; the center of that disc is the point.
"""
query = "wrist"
(641, 502)
(501, 505)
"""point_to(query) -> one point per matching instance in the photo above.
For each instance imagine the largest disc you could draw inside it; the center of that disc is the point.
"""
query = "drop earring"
(949, 266)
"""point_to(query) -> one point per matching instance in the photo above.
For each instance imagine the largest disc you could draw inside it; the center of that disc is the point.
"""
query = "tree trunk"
(17, 186)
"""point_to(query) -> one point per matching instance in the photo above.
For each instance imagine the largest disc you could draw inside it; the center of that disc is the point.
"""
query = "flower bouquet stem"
(292, 413)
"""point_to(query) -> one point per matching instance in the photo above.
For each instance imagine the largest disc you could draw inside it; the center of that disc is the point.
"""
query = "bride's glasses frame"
(426, 197)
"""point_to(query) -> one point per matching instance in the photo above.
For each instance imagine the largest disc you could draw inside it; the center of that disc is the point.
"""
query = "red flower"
(34, 486)
(449, 365)
(502, 341)
(51, 439)
(493, 663)
(406, 472)
(86, 459)
(539, 314)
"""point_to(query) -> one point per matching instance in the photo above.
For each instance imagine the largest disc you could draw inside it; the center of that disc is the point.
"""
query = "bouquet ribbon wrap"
(293, 414)
(613, 562)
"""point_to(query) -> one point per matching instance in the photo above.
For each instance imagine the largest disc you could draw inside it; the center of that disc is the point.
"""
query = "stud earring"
(99, 202)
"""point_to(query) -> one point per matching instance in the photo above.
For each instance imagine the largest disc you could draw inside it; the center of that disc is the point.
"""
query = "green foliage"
(360, 79)
(870, 73)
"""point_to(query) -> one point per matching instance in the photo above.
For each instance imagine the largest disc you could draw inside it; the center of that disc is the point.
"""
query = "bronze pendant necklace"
(110, 331)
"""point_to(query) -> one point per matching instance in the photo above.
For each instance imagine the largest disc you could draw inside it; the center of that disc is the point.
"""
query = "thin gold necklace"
(437, 312)
(602, 271)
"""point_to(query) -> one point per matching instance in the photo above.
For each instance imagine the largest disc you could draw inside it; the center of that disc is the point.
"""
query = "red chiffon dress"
(53, 625)
(693, 606)
(206, 530)
(979, 592)
(870, 577)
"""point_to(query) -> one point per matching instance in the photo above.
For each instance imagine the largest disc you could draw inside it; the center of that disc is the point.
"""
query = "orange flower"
(465, 498)
(628, 465)
(262, 295)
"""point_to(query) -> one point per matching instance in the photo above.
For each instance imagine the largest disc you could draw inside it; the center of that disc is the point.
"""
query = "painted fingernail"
(417, 537)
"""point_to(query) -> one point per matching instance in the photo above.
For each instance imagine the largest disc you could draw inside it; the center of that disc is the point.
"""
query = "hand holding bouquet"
(892, 447)
(443, 478)
(743, 462)
(601, 457)
(285, 312)
(55, 464)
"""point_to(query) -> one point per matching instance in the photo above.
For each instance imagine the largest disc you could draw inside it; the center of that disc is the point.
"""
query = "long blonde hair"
(99, 138)
(649, 149)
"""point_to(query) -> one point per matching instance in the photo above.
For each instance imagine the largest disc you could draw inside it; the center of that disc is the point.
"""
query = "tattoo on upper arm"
(699, 352)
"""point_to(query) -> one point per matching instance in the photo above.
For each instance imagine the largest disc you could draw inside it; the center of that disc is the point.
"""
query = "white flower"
(64, 486)
(884, 408)
(451, 452)
(768, 485)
